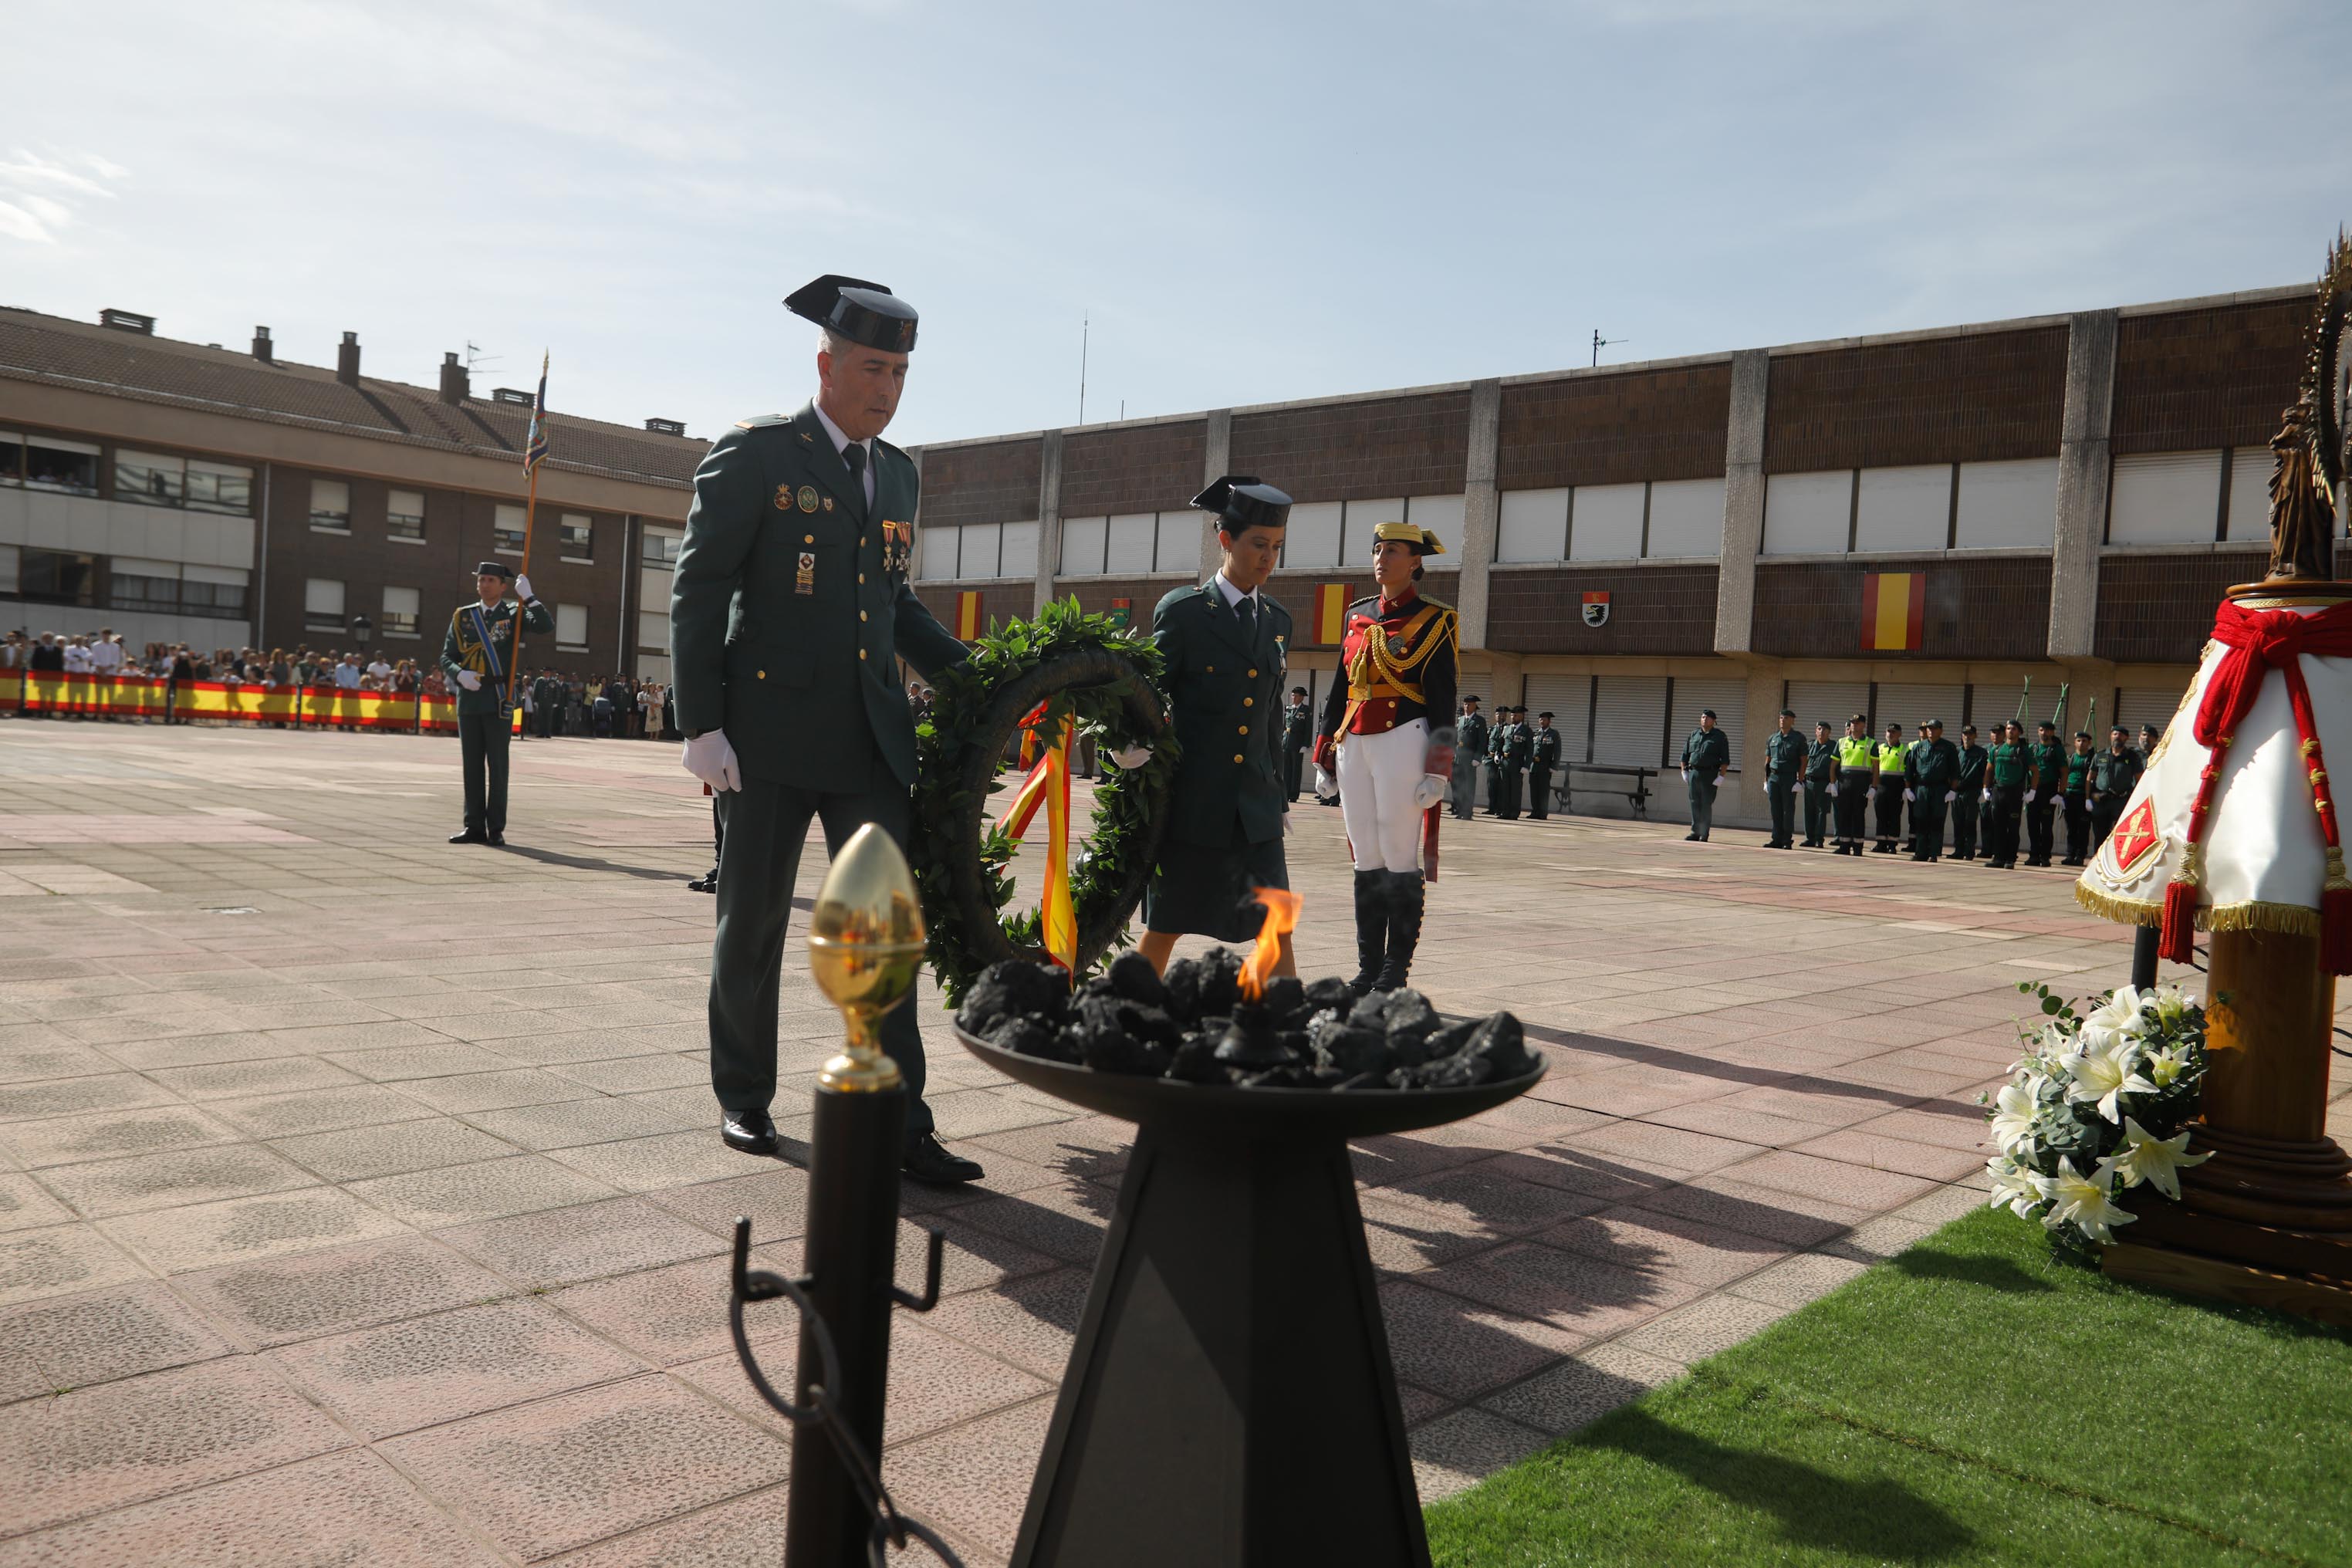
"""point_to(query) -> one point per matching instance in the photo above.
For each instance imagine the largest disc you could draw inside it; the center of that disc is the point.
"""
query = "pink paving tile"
(775, 1199)
(77, 1341)
(1947, 1127)
(1462, 1349)
(1853, 1146)
(1788, 1217)
(55, 1260)
(1830, 1181)
(280, 1300)
(973, 1480)
(1493, 1198)
(1571, 1290)
(936, 1381)
(1029, 1322)
(1744, 1124)
(1666, 1247)
(559, 1474)
(346, 1507)
(126, 1442)
(744, 1533)
(1455, 1452)
(586, 1241)
(678, 1313)
(1066, 1222)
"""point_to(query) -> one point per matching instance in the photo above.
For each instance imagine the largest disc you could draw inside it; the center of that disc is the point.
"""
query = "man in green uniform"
(1889, 791)
(2009, 770)
(2048, 761)
(2113, 773)
(1543, 743)
(1784, 774)
(1911, 753)
(1471, 733)
(1498, 742)
(477, 655)
(789, 611)
(1821, 782)
(2078, 800)
(1857, 759)
(1967, 790)
(1223, 645)
(546, 703)
(1707, 759)
(1935, 779)
(1298, 735)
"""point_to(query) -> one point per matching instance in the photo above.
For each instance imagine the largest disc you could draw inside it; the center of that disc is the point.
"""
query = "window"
(1131, 535)
(576, 538)
(1312, 538)
(1082, 545)
(322, 606)
(51, 464)
(1907, 508)
(2008, 504)
(1442, 516)
(2164, 498)
(660, 547)
(215, 591)
(404, 514)
(219, 487)
(653, 631)
(572, 628)
(57, 577)
(2250, 493)
(135, 584)
(12, 458)
(330, 507)
(936, 553)
(1356, 532)
(399, 611)
(1179, 548)
(150, 477)
(1808, 514)
(976, 557)
(12, 563)
(1607, 526)
(1534, 526)
(1020, 551)
(506, 529)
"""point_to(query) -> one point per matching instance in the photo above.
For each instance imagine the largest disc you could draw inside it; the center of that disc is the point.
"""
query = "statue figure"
(2311, 443)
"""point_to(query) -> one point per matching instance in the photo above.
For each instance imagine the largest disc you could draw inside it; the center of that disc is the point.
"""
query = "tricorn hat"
(1245, 501)
(495, 568)
(1423, 540)
(851, 307)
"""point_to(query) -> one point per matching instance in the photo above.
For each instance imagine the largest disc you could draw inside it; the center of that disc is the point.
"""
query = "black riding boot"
(1406, 893)
(1372, 928)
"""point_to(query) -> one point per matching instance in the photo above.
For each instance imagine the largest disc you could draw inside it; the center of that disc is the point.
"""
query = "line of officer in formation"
(1521, 759)
(1997, 799)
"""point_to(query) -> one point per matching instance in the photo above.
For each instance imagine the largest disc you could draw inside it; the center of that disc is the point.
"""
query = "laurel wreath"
(1106, 674)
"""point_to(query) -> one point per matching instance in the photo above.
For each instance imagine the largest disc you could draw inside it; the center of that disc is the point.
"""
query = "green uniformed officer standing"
(1857, 759)
(789, 610)
(1889, 791)
(1471, 731)
(2009, 773)
(1707, 759)
(1967, 790)
(1935, 779)
(1543, 757)
(2049, 768)
(2078, 800)
(1503, 779)
(1298, 734)
(1222, 644)
(476, 655)
(2114, 774)
(1518, 755)
(1784, 774)
(1821, 778)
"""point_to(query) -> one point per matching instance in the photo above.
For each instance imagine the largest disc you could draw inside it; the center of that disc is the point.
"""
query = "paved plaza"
(360, 1196)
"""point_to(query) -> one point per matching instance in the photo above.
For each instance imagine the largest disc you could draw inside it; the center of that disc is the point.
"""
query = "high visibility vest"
(1890, 759)
(1856, 752)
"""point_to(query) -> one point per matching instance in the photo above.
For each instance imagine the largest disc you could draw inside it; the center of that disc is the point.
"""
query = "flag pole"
(534, 450)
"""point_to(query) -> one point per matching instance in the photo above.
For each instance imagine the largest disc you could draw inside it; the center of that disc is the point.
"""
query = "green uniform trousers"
(1780, 795)
(1818, 809)
(1702, 803)
(1964, 824)
(763, 826)
(482, 740)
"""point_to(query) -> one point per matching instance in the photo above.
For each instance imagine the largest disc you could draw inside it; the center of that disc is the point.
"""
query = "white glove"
(1908, 796)
(1950, 795)
(1286, 822)
(1326, 786)
(1984, 795)
(469, 680)
(1832, 791)
(1131, 757)
(522, 589)
(1686, 775)
(1429, 791)
(2028, 797)
(710, 758)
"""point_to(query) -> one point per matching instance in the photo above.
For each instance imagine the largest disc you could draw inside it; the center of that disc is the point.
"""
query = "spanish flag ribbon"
(1048, 784)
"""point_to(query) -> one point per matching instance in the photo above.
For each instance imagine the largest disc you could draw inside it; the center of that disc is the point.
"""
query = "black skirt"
(1205, 891)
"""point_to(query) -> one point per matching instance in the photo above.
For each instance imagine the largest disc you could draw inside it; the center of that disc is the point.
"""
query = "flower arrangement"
(2100, 1103)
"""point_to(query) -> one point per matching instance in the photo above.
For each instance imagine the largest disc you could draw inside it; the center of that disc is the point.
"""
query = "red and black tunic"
(1421, 637)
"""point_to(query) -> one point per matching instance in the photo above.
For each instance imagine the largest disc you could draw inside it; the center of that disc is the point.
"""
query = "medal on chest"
(805, 581)
(898, 545)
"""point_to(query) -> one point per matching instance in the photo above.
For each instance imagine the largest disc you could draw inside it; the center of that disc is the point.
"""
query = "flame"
(1281, 918)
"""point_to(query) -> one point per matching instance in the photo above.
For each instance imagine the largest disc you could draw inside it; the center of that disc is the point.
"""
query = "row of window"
(325, 601)
(403, 519)
(162, 587)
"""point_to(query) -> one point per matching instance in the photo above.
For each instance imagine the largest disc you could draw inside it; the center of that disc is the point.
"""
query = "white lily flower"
(2084, 1200)
(2012, 1119)
(2014, 1187)
(2171, 1004)
(2159, 1161)
(2120, 1014)
(2167, 1065)
(2105, 1072)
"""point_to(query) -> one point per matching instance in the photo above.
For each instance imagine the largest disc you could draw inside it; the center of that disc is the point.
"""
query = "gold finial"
(866, 946)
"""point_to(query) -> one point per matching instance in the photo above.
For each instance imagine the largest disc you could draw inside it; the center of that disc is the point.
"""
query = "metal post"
(2143, 942)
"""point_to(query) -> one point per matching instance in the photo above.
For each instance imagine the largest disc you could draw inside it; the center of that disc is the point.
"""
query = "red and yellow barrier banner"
(1048, 784)
(47, 692)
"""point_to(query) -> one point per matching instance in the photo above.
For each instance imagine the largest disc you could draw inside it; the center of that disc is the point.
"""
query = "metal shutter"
(1729, 700)
(2137, 705)
(1569, 699)
(2164, 498)
(1912, 704)
(1830, 702)
(1629, 722)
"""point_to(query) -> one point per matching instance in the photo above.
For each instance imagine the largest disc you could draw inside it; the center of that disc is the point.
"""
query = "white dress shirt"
(841, 444)
(1234, 595)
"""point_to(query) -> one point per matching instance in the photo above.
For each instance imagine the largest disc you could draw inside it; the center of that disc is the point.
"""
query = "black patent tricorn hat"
(1245, 501)
(851, 307)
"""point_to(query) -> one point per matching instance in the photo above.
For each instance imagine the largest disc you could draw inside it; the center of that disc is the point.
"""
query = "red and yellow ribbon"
(1048, 784)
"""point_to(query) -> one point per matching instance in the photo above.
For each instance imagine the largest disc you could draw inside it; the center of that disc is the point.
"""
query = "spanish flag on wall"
(1330, 612)
(967, 627)
(1894, 611)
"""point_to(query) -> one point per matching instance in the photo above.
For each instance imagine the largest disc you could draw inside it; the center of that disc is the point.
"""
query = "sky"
(1228, 203)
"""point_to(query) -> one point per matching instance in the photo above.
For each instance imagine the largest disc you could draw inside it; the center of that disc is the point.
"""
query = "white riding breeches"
(1378, 776)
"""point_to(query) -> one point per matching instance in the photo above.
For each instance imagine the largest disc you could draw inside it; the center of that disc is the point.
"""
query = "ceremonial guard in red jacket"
(1386, 745)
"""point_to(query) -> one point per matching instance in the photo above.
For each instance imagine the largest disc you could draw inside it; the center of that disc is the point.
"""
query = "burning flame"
(1281, 918)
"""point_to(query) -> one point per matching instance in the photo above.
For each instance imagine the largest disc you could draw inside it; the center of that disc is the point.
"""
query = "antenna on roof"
(1599, 342)
(1085, 328)
(476, 358)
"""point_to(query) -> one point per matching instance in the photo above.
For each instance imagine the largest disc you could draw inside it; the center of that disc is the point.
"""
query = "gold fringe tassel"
(2257, 914)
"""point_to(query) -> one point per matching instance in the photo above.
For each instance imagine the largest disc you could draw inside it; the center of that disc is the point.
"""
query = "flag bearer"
(476, 655)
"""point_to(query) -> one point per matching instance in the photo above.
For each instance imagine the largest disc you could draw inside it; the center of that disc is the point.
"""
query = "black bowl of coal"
(1213, 1044)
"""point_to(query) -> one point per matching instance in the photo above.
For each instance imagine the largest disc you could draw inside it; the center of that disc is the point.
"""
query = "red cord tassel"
(2335, 931)
(2176, 940)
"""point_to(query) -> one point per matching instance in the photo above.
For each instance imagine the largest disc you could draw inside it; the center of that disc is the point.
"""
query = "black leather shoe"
(497, 840)
(749, 1131)
(932, 1165)
(705, 884)
(469, 837)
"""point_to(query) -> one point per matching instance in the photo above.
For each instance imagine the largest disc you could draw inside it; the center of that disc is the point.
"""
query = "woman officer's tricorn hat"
(851, 307)
(1423, 540)
(1245, 501)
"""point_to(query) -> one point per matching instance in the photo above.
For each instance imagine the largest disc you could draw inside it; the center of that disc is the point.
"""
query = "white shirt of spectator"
(77, 659)
(105, 657)
(380, 670)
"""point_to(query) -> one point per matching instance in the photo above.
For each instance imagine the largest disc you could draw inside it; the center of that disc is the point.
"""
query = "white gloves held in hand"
(1326, 786)
(469, 680)
(2028, 797)
(1833, 790)
(710, 758)
(522, 589)
(1429, 791)
(1131, 757)
(1909, 796)
(1950, 795)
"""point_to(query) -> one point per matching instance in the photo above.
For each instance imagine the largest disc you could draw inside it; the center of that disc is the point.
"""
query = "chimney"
(666, 426)
(127, 322)
(456, 385)
(263, 348)
(347, 359)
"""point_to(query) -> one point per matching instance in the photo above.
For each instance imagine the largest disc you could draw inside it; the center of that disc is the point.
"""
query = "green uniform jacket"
(1707, 752)
(789, 607)
(460, 649)
(1298, 728)
(1470, 733)
(1972, 767)
(2078, 771)
(1784, 755)
(1226, 695)
(2049, 767)
(1935, 766)
(1519, 747)
(1821, 762)
(1547, 748)
(2008, 766)
(2115, 772)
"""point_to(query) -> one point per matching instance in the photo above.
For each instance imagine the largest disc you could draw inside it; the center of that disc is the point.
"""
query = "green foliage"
(971, 719)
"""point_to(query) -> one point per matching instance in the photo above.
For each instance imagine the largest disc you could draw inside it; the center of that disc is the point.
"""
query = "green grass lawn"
(1973, 1401)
